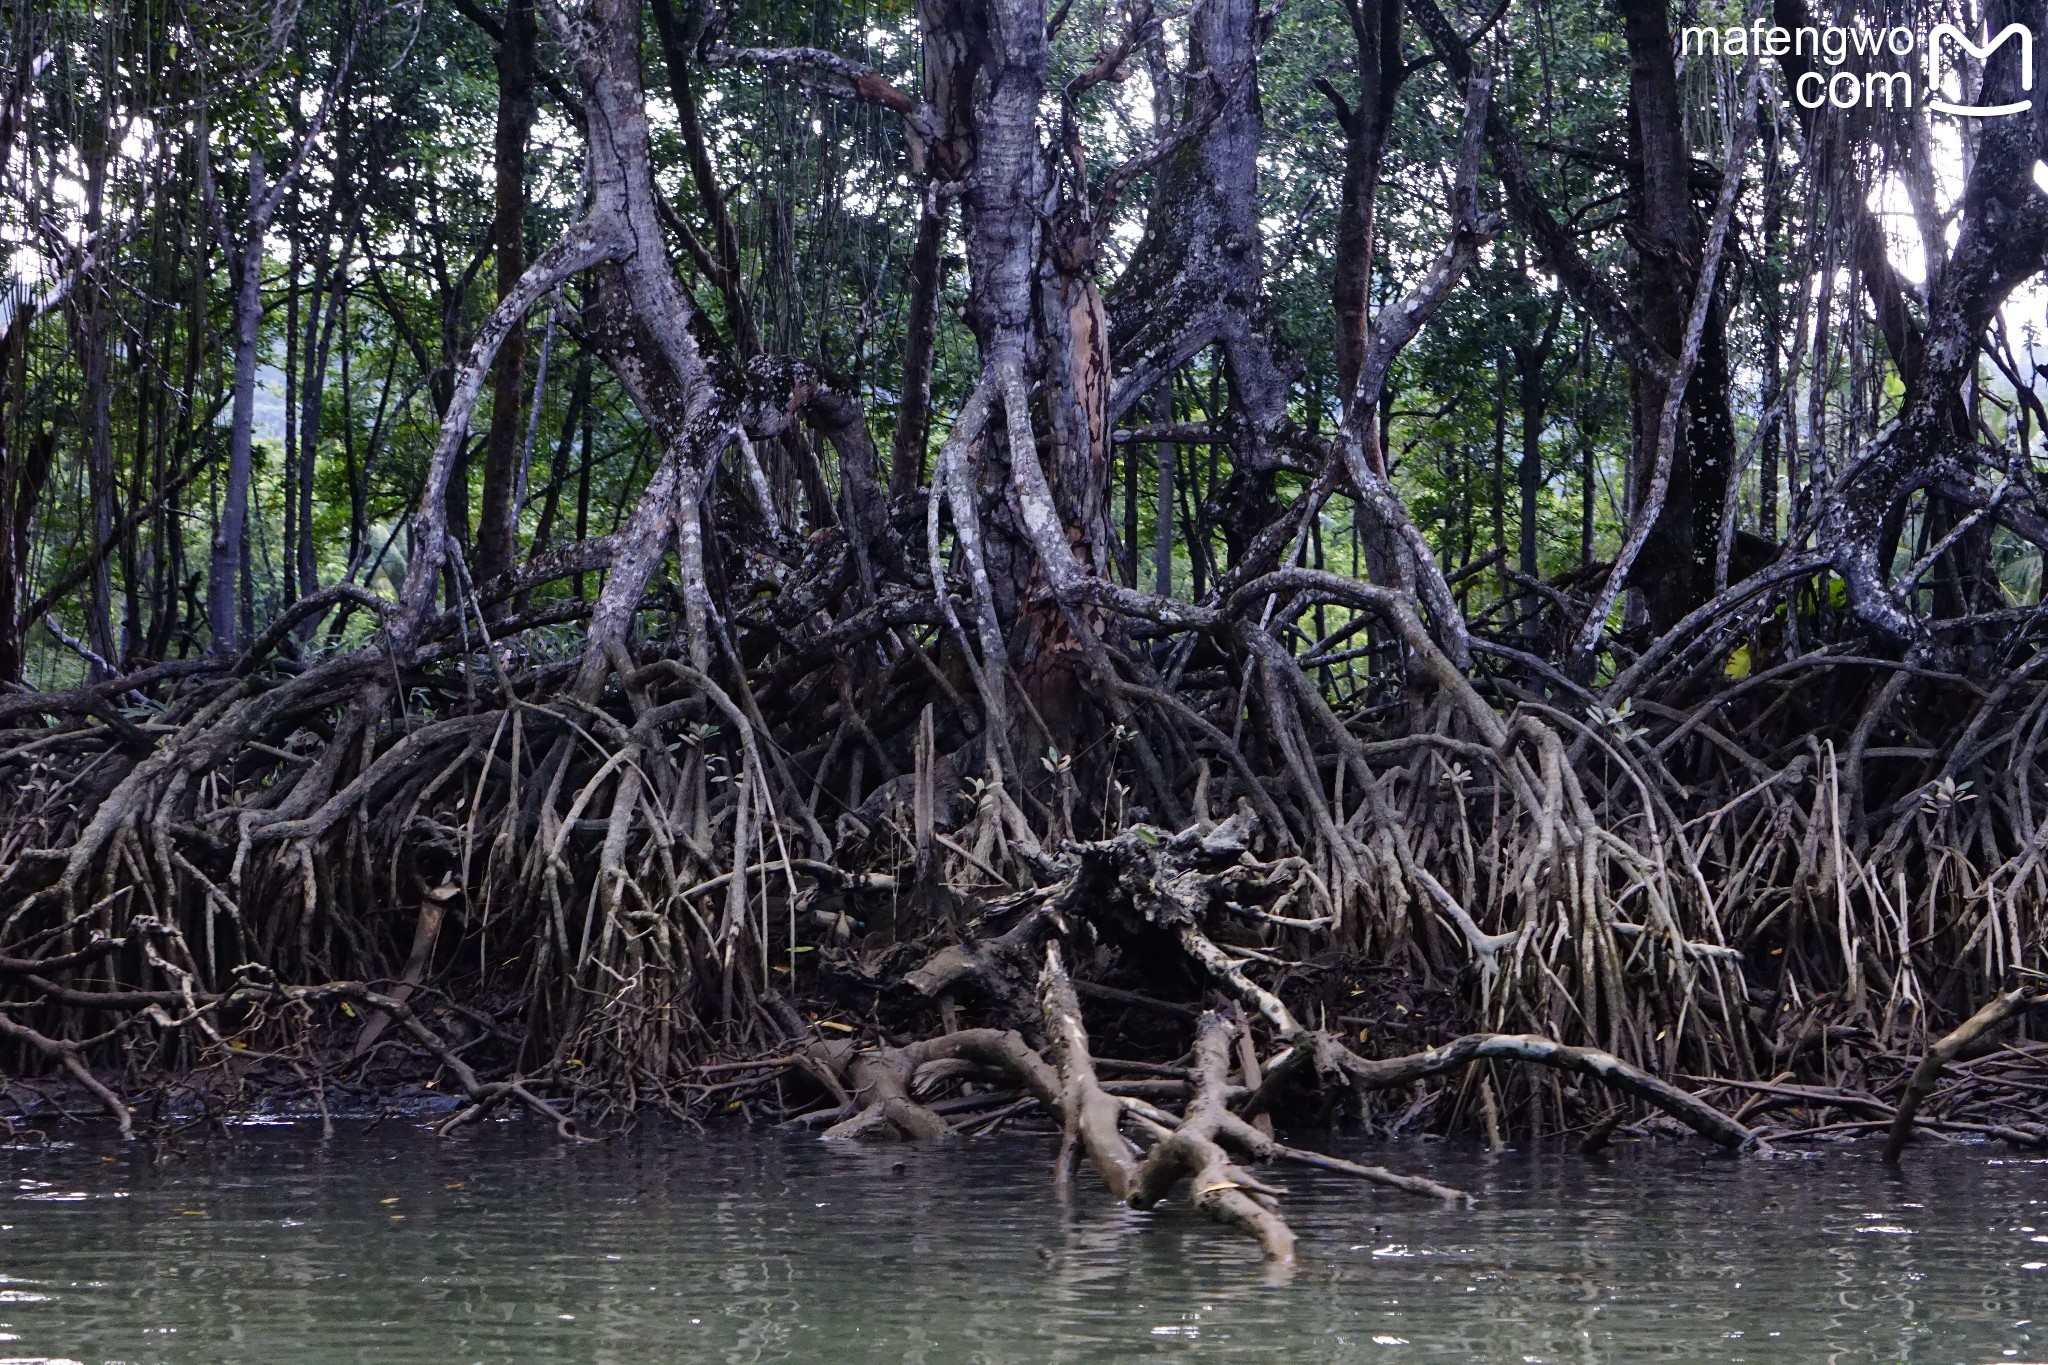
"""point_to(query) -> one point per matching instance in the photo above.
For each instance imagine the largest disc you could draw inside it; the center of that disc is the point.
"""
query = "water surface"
(388, 1245)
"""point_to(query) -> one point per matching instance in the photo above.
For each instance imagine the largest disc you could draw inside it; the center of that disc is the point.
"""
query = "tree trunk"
(914, 406)
(24, 469)
(678, 33)
(2002, 241)
(1678, 558)
(1376, 32)
(497, 531)
(228, 567)
(96, 400)
(323, 319)
(1162, 531)
(1529, 474)
(1497, 475)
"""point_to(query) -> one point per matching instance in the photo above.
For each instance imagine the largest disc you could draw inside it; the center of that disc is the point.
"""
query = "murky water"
(390, 1246)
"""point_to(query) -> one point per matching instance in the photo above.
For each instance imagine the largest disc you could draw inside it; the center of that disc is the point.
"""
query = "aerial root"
(876, 1091)
(483, 1096)
(1157, 893)
(67, 1055)
(1367, 1073)
(2001, 1008)
(1222, 1189)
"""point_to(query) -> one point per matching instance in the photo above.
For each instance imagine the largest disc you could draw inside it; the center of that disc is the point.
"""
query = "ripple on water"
(391, 1246)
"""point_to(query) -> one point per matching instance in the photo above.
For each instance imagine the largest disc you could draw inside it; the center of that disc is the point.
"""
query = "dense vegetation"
(569, 548)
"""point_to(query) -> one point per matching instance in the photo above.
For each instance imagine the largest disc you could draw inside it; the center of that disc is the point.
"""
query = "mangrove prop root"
(67, 1055)
(1689, 1109)
(1222, 1189)
(878, 1085)
(2001, 1008)
(1088, 1116)
(628, 860)
(788, 744)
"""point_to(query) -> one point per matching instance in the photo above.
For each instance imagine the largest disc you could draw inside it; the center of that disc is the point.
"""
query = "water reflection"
(391, 1246)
